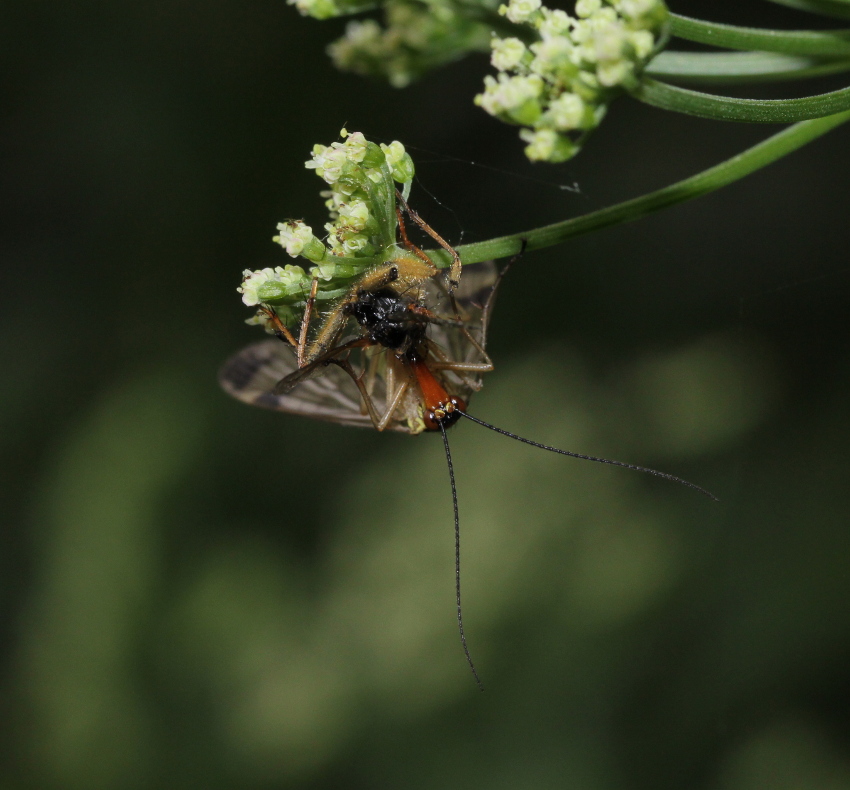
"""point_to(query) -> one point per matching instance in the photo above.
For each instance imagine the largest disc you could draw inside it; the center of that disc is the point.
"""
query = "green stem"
(740, 67)
(727, 172)
(832, 43)
(727, 108)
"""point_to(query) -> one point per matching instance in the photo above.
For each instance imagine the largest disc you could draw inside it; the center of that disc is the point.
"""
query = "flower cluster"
(326, 9)
(361, 178)
(417, 37)
(560, 85)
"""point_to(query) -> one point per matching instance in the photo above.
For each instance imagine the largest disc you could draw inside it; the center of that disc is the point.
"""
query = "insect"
(384, 357)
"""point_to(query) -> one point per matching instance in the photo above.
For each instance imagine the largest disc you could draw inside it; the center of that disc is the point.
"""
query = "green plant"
(557, 75)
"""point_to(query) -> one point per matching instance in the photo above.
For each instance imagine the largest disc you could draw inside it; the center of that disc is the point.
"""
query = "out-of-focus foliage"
(198, 594)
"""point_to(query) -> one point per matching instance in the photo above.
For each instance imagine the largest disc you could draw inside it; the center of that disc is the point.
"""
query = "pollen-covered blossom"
(354, 215)
(350, 167)
(288, 277)
(294, 236)
(327, 162)
(573, 70)
(355, 145)
(331, 161)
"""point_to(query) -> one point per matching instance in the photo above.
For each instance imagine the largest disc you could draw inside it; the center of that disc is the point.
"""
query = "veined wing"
(253, 374)
(475, 297)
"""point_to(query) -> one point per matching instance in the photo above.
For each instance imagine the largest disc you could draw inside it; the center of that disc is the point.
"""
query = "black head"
(387, 318)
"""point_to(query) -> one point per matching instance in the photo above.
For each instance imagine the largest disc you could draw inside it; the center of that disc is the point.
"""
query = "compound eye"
(392, 274)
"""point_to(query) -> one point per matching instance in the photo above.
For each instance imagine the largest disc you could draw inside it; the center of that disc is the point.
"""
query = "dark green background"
(198, 594)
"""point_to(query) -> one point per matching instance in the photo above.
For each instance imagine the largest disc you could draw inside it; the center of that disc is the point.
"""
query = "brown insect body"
(382, 357)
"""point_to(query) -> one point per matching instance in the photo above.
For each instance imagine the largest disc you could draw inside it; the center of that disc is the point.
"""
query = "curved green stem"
(727, 172)
(740, 67)
(727, 108)
(827, 43)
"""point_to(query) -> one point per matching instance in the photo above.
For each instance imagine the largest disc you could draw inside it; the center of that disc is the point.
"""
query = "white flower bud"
(251, 282)
(507, 53)
(328, 162)
(541, 143)
(551, 55)
(554, 22)
(634, 9)
(567, 112)
(294, 235)
(613, 72)
(519, 11)
(586, 8)
(354, 215)
(355, 146)
(643, 43)
(610, 43)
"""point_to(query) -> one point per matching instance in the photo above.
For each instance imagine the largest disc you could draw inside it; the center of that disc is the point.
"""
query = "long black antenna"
(457, 557)
(655, 472)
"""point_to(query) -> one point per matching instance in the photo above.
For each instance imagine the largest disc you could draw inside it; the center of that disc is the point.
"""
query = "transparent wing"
(253, 374)
(475, 297)
(265, 374)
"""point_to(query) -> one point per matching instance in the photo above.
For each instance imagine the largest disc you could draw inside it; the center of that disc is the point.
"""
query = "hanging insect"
(385, 354)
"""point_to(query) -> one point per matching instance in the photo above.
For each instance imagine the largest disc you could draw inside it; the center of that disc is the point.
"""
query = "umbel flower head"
(560, 85)
(415, 38)
(361, 177)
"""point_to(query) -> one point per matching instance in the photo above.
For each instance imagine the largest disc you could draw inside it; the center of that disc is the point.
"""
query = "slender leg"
(305, 321)
(393, 405)
(454, 270)
(379, 421)
(407, 242)
(280, 330)
(460, 368)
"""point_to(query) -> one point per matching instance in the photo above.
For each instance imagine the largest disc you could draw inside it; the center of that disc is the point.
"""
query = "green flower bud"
(374, 156)
(273, 291)
(546, 145)
(527, 113)
(403, 171)
(314, 250)
(331, 270)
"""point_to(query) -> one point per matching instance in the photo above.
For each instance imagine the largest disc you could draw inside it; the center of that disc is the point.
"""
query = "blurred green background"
(199, 594)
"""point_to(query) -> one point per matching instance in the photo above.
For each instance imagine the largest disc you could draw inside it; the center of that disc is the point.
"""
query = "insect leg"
(407, 242)
(280, 330)
(305, 321)
(380, 422)
(455, 268)
(444, 363)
